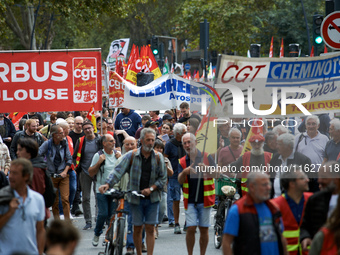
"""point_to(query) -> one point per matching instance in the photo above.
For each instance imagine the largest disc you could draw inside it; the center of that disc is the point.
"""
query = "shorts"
(144, 213)
(197, 216)
(174, 190)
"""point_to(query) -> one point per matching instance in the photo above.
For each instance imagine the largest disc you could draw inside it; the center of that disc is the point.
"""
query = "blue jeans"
(144, 213)
(162, 207)
(174, 194)
(73, 188)
(106, 207)
(129, 237)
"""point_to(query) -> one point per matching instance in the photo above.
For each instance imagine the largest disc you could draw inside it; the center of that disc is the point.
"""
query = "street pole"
(308, 38)
(168, 37)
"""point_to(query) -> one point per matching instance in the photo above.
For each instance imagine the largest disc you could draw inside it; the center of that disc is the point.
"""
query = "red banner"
(116, 90)
(50, 81)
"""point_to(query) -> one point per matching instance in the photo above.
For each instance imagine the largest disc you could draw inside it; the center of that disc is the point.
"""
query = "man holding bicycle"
(102, 164)
(147, 174)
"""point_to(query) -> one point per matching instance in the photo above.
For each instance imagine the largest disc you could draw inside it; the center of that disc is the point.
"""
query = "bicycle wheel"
(120, 237)
(218, 224)
(109, 249)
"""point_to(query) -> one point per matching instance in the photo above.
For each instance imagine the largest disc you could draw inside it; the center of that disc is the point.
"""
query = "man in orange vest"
(292, 205)
(198, 192)
(252, 160)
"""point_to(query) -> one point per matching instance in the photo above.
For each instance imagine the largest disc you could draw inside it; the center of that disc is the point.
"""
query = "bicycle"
(114, 246)
(226, 190)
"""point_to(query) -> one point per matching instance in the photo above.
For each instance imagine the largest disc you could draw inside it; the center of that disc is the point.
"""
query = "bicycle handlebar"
(120, 194)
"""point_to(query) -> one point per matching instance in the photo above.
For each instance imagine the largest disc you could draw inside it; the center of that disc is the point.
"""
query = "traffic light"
(317, 21)
(255, 49)
(154, 45)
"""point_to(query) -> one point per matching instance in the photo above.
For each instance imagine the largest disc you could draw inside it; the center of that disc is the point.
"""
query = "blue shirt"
(268, 237)
(172, 151)
(130, 122)
(332, 150)
(296, 209)
(19, 233)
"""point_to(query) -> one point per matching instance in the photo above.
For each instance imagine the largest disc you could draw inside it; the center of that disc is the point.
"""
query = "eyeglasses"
(87, 128)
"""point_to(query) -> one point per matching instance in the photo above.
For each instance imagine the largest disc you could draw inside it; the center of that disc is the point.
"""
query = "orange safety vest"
(81, 142)
(329, 247)
(246, 162)
(291, 227)
(70, 147)
(208, 185)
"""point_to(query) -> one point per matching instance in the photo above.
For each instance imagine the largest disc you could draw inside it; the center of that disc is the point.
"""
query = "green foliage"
(234, 25)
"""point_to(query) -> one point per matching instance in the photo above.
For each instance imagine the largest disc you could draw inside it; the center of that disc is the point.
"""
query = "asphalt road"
(167, 244)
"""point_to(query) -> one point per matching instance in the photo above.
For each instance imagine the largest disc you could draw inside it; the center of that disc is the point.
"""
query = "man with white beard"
(147, 173)
(253, 160)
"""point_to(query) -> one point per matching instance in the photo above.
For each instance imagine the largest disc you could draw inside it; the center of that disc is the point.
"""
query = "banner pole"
(206, 131)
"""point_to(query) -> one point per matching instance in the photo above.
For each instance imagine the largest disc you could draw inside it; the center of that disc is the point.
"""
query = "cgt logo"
(238, 99)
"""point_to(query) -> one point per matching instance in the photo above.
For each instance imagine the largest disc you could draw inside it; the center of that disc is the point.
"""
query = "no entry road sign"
(330, 30)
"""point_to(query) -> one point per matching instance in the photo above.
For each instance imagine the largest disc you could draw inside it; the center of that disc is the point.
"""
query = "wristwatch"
(152, 189)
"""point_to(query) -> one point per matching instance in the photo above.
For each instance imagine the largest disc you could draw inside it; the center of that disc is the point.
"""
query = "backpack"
(101, 168)
(3, 180)
(50, 192)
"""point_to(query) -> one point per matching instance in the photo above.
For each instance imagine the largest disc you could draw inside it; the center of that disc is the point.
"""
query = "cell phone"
(165, 137)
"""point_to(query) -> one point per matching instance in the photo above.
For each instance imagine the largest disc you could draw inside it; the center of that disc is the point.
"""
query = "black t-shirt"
(75, 137)
(193, 179)
(146, 173)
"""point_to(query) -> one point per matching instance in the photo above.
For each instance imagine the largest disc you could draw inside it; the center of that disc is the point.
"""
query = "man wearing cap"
(167, 118)
(252, 160)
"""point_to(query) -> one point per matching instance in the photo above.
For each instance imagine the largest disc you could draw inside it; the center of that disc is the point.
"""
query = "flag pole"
(219, 57)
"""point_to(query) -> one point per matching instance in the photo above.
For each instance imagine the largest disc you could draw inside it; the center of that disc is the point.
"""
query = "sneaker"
(95, 240)
(165, 218)
(144, 248)
(87, 226)
(156, 232)
(77, 212)
(61, 216)
(177, 229)
(129, 251)
(185, 228)
(71, 217)
(171, 225)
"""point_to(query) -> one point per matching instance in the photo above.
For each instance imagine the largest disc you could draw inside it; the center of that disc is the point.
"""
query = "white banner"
(118, 49)
(278, 86)
(166, 92)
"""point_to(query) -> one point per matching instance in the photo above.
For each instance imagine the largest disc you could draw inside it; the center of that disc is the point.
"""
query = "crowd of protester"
(289, 204)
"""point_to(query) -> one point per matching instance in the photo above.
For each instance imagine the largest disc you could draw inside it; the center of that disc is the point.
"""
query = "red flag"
(124, 68)
(197, 76)
(153, 64)
(17, 118)
(312, 52)
(119, 67)
(271, 51)
(325, 49)
(132, 70)
(91, 116)
(282, 51)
